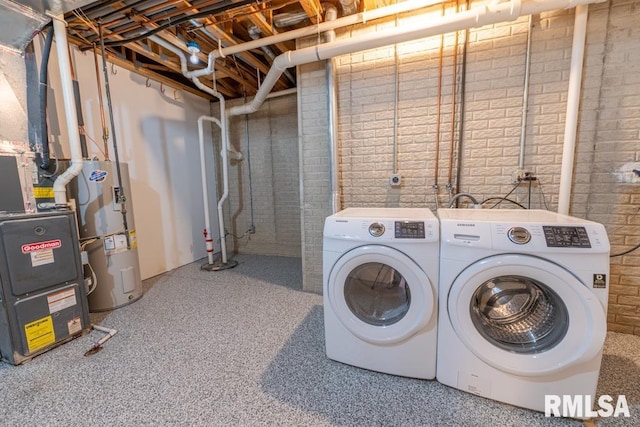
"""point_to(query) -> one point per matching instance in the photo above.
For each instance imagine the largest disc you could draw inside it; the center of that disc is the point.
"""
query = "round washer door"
(525, 315)
(380, 294)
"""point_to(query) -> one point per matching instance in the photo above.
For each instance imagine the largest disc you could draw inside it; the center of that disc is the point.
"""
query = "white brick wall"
(272, 151)
(608, 132)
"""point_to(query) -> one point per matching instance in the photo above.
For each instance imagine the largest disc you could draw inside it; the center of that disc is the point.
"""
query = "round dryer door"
(525, 315)
(380, 295)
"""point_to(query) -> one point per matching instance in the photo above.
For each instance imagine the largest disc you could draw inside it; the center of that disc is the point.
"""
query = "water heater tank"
(113, 256)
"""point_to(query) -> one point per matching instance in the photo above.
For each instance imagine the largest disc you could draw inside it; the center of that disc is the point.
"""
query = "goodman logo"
(33, 247)
(580, 406)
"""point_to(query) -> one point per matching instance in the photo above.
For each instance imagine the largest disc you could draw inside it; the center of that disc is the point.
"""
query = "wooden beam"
(313, 8)
(127, 65)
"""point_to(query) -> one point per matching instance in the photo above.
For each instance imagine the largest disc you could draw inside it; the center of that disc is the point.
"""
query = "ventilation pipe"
(332, 100)
(349, 7)
(288, 19)
(255, 34)
(573, 104)
(68, 96)
(224, 154)
(478, 17)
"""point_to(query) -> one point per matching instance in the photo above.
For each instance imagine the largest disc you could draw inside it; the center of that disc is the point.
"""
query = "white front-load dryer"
(523, 302)
(380, 273)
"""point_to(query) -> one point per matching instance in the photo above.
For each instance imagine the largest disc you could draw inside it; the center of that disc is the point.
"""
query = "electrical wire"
(503, 200)
(628, 251)
(544, 198)
(507, 195)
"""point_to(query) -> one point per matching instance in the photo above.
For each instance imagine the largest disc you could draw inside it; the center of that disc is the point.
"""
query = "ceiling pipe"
(359, 18)
(485, 15)
(68, 97)
(573, 105)
(255, 34)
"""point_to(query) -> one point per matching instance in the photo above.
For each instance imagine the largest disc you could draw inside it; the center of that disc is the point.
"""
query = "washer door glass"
(519, 314)
(377, 294)
(380, 295)
(525, 315)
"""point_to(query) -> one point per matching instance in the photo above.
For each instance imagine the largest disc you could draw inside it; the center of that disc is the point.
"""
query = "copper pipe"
(105, 130)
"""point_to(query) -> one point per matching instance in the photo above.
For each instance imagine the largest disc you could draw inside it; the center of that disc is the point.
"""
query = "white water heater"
(113, 255)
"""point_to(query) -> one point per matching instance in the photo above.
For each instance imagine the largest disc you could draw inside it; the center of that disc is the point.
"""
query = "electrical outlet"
(395, 180)
(516, 175)
(629, 173)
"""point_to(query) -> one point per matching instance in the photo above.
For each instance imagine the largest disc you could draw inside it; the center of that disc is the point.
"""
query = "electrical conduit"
(330, 15)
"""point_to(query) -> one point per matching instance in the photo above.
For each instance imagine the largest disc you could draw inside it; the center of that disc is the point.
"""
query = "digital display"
(409, 230)
(566, 237)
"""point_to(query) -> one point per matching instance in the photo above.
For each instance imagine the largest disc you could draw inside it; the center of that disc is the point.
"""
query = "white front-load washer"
(380, 273)
(523, 302)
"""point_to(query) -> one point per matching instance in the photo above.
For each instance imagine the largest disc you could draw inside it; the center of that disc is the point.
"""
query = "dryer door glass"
(519, 314)
(377, 294)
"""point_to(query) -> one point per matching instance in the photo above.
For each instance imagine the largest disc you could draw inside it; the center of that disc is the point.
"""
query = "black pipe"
(43, 159)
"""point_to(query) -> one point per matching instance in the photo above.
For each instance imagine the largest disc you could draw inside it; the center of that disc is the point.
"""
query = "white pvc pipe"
(205, 190)
(573, 104)
(225, 147)
(478, 17)
(62, 49)
(358, 18)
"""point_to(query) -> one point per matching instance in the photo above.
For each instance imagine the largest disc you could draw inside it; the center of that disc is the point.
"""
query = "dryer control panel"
(409, 230)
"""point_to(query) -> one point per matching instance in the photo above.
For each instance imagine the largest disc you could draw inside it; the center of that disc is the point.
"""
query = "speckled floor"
(246, 347)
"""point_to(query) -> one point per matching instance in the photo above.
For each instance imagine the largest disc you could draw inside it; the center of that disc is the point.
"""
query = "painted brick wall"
(271, 151)
(314, 166)
(489, 154)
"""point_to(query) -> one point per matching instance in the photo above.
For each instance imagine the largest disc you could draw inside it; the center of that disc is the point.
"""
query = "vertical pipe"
(203, 169)
(107, 91)
(525, 97)
(332, 101)
(60, 184)
(573, 105)
(105, 130)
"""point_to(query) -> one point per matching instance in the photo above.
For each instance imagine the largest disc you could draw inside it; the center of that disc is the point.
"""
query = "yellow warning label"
(39, 333)
(43, 192)
(133, 241)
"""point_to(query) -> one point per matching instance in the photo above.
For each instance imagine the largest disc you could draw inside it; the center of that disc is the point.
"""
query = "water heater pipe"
(573, 105)
(68, 97)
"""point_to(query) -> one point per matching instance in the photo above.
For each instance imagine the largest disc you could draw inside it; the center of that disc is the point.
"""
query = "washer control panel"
(566, 237)
(409, 230)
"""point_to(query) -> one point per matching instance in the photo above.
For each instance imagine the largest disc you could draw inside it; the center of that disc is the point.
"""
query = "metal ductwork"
(21, 20)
